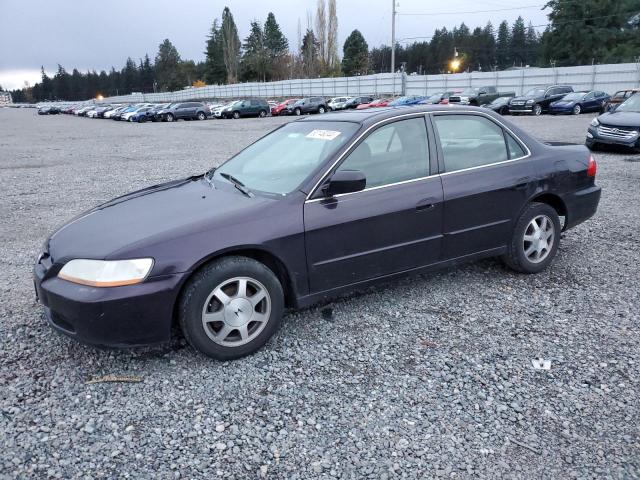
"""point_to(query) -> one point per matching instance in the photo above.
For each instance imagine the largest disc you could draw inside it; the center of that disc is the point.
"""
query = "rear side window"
(469, 141)
(515, 149)
(393, 153)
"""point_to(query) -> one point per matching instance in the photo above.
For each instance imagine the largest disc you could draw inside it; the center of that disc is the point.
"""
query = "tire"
(297, 112)
(577, 110)
(202, 116)
(537, 110)
(142, 119)
(321, 109)
(262, 114)
(236, 115)
(169, 117)
(517, 257)
(215, 329)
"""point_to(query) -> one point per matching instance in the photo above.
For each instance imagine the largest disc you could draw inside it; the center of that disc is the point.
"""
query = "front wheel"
(535, 239)
(170, 117)
(262, 114)
(231, 307)
(236, 115)
(576, 110)
(321, 110)
(537, 110)
(201, 116)
(297, 112)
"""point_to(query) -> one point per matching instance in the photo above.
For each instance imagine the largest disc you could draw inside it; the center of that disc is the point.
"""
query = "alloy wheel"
(537, 109)
(169, 118)
(577, 110)
(538, 239)
(236, 311)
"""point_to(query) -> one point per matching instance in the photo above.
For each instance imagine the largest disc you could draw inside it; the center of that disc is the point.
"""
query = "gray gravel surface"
(426, 377)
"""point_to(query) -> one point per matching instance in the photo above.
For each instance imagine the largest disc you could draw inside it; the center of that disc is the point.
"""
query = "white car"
(217, 112)
(338, 103)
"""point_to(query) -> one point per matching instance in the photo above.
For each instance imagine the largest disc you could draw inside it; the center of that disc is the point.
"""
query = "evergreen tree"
(277, 48)
(230, 45)
(333, 62)
(503, 46)
(309, 54)
(130, 76)
(215, 69)
(255, 59)
(146, 75)
(532, 44)
(355, 60)
(60, 84)
(518, 43)
(168, 73)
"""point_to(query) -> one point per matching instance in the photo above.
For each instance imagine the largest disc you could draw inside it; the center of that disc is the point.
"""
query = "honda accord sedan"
(314, 209)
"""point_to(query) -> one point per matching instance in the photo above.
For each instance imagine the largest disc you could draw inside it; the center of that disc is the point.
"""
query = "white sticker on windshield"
(323, 134)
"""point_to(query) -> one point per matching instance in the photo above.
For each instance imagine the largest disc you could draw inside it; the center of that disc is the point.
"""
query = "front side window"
(279, 162)
(470, 141)
(393, 153)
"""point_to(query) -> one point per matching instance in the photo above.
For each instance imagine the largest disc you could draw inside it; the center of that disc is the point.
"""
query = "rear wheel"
(321, 109)
(537, 110)
(576, 110)
(262, 113)
(201, 116)
(231, 307)
(535, 239)
(297, 112)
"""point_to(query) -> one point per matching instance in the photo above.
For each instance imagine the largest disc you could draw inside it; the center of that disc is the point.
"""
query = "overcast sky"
(89, 34)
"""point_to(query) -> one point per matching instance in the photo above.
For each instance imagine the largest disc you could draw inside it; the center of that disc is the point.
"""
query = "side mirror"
(345, 181)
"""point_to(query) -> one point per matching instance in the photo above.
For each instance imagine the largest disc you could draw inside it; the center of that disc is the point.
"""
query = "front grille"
(624, 133)
(517, 102)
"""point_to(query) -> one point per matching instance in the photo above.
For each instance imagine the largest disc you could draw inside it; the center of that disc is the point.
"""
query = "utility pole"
(393, 37)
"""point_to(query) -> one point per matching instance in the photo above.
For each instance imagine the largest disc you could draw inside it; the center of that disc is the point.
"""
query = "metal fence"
(608, 78)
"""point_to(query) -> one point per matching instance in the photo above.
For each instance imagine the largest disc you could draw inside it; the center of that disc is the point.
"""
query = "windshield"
(281, 161)
(574, 96)
(631, 105)
(535, 92)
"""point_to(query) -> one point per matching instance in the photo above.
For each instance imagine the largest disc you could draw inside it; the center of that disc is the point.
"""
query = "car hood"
(525, 97)
(150, 217)
(621, 119)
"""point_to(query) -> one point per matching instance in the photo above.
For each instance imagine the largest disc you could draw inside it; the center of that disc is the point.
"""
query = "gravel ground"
(430, 376)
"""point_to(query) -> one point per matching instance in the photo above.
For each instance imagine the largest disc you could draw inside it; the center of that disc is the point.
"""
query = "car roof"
(377, 114)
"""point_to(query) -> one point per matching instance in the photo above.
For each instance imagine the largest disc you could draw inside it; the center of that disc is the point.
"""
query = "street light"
(99, 98)
(455, 65)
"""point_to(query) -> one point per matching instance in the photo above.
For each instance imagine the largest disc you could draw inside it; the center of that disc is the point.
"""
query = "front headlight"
(595, 122)
(106, 273)
(529, 102)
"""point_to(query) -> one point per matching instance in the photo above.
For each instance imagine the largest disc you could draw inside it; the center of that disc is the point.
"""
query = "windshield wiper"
(237, 183)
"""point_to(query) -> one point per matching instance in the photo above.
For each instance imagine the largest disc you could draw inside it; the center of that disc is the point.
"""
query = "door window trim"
(428, 116)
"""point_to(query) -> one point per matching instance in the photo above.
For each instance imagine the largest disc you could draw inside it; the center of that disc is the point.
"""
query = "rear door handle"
(424, 205)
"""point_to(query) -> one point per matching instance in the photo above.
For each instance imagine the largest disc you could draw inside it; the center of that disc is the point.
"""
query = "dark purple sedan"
(318, 207)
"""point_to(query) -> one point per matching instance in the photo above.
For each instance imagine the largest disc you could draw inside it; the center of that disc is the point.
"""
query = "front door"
(394, 225)
(487, 178)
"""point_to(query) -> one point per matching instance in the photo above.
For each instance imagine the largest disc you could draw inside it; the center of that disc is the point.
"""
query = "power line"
(473, 11)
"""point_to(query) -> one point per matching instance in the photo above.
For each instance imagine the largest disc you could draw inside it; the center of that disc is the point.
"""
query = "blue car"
(142, 115)
(575, 103)
(410, 100)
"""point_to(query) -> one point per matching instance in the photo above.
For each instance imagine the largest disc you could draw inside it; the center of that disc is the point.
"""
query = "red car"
(381, 102)
(280, 109)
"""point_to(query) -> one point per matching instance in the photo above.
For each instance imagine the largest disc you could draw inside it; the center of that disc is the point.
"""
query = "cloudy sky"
(89, 34)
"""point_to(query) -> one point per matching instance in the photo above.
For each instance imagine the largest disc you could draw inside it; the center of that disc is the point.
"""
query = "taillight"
(592, 168)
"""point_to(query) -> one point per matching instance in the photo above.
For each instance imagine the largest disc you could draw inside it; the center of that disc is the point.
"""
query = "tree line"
(601, 31)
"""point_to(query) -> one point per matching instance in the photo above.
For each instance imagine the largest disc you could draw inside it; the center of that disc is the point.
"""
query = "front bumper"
(126, 316)
(596, 135)
(521, 108)
(581, 205)
(561, 110)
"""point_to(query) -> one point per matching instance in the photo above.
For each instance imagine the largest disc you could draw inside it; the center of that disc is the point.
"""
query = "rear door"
(394, 225)
(487, 176)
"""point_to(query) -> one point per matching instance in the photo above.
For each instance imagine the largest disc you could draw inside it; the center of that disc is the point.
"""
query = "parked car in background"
(380, 102)
(183, 111)
(141, 115)
(115, 111)
(355, 101)
(407, 100)
(618, 127)
(152, 113)
(576, 103)
(537, 100)
(281, 108)
(478, 96)
(44, 110)
(250, 107)
(337, 103)
(328, 206)
(128, 109)
(499, 105)
(433, 99)
(445, 97)
(218, 112)
(617, 98)
(308, 105)
(83, 111)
